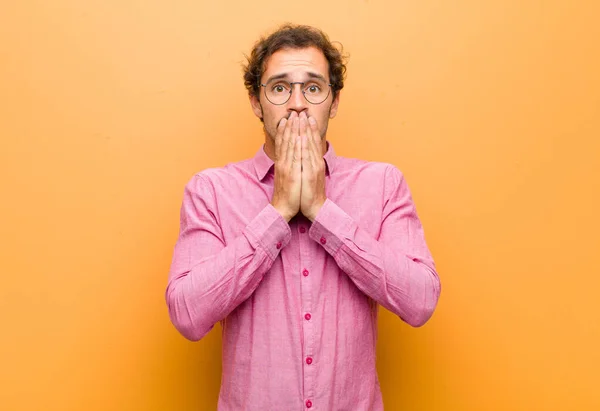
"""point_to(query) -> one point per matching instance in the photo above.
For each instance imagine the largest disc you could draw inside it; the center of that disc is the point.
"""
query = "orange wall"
(491, 109)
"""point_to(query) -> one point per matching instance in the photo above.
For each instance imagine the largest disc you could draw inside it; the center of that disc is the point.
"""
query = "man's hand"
(288, 178)
(312, 195)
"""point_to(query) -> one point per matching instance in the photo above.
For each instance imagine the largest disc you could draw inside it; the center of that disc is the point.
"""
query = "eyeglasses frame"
(292, 90)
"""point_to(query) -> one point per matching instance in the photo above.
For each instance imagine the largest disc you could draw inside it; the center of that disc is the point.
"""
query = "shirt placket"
(308, 362)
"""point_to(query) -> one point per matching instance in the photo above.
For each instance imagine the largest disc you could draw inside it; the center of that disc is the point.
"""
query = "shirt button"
(302, 229)
(323, 240)
(278, 246)
(307, 316)
(308, 360)
(305, 272)
(308, 403)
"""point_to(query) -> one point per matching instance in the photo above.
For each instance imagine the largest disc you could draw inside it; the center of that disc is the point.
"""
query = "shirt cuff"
(331, 227)
(269, 231)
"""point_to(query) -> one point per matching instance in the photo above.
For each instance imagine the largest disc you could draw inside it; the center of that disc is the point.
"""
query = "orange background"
(491, 109)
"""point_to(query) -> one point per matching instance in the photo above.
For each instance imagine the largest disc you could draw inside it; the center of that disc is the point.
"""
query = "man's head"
(294, 54)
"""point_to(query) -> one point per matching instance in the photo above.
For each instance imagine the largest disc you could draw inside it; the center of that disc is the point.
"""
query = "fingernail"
(312, 121)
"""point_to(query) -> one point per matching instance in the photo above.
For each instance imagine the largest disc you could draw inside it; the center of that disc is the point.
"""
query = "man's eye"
(278, 88)
(313, 89)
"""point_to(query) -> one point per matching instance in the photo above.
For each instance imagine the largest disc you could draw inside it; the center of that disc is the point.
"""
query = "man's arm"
(208, 279)
(397, 270)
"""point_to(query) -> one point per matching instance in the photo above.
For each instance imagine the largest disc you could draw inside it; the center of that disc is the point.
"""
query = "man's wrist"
(285, 215)
(315, 211)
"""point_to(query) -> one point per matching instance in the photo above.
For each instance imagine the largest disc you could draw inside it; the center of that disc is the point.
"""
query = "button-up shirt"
(298, 301)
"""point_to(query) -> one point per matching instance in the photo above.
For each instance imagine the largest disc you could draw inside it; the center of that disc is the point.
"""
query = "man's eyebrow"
(310, 74)
(276, 77)
(316, 75)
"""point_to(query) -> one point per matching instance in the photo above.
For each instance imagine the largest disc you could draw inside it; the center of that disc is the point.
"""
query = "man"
(294, 249)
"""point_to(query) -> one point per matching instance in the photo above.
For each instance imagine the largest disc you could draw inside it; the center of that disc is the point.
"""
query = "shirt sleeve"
(209, 278)
(396, 270)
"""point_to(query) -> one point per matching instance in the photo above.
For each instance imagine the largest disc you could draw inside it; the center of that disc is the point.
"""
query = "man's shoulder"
(227, 172)
(214, 182)
(361, 165)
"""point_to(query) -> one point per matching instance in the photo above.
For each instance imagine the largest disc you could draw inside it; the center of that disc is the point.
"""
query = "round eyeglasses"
(315, 91)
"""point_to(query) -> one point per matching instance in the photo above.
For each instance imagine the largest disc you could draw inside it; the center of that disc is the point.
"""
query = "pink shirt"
(298, 302)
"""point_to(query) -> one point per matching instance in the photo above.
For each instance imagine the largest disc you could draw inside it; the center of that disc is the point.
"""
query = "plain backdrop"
(491, 109)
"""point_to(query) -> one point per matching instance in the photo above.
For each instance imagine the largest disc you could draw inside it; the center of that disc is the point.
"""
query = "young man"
(294, 249)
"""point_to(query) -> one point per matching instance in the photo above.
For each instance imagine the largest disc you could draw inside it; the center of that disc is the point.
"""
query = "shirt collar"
(263, 164)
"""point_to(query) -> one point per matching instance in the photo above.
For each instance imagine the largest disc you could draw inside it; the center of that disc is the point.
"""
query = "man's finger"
(312, 146)
(278, 137)
(307, 131)
(295, 125)
(297, 163)
(314, 129)
(291, 138)
(286, 139)
(306, 155)
(303, 136)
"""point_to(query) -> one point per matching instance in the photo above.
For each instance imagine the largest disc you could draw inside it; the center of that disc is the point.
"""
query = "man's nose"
(297, 101)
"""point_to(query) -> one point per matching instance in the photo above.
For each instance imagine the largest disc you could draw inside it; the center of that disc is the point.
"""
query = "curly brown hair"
(295, 37)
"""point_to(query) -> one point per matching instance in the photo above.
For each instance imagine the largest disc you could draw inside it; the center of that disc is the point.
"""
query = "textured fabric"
(298, 302)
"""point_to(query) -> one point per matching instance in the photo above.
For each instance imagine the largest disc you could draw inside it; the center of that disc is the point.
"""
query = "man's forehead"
(293, 62)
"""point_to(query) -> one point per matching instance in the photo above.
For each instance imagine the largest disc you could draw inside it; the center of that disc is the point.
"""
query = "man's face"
(294, 65)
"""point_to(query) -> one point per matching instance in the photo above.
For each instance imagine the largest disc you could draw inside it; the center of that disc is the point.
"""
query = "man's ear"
(334, 106)
(256, 107)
